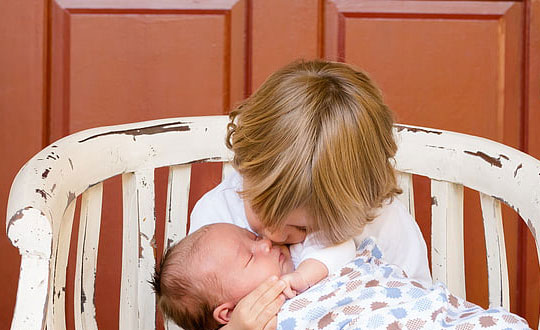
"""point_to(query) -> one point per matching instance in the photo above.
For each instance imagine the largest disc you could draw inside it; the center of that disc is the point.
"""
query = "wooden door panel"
(282, 31)
(113, 64)
(450, 65)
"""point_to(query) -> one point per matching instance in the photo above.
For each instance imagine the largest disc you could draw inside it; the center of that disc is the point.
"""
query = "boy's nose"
(277, 236)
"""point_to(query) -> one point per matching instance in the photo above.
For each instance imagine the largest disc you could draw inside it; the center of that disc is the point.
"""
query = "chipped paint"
(438, 147)
(150, 130)
(517, 169)
(42, 193)
(416, 130)
(17, 216)
(71, 197)
(83, 299)
(53, 156)
(434, 201)
(202, 160)
(70, 163)
(45, 173)
(533, 230)
(491, 160)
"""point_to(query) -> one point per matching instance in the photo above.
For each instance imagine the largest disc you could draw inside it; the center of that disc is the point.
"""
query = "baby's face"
(241, 260)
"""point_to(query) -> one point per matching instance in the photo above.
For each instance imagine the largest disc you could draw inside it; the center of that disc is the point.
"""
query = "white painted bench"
(43, 197)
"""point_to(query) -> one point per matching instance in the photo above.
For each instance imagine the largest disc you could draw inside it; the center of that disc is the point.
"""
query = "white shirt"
(395, 231)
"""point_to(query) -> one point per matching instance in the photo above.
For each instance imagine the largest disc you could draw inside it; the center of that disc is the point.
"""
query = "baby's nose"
(264, 245)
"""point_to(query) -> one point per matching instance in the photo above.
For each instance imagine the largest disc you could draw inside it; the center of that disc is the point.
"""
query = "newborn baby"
(202, 278)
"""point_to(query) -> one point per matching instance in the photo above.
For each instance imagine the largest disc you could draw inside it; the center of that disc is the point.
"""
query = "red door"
(68, 65)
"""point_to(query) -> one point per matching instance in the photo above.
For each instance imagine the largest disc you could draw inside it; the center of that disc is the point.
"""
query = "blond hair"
(316, 135)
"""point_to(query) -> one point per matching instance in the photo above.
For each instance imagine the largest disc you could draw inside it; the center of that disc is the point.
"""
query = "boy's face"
(293, 230)
(241, 260)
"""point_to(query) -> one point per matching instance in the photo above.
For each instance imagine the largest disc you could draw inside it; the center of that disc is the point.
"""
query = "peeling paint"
(53, 187)
(71, 197)
(169, 243)
(437, 147)
(517, 169)
(53, 156)
(434, 201)
(491, 160)
(162, 128)
(70, 163)
(416, 130)
(202, 160)
(533, 230)
(83, 300)
(45, 173)
(42, 193)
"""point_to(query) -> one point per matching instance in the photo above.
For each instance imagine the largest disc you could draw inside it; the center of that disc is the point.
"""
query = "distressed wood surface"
(57, 318)
(499, 292)
(486, 166)
(146, 301)
(227, 170)
(176, 217)
(130, 255)
(137, 301)
(34, 236)
(42, 201)
(405, 182)
(447, 252)
(87, 253)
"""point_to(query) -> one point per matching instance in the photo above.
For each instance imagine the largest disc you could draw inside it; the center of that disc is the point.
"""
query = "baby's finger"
(289, 293)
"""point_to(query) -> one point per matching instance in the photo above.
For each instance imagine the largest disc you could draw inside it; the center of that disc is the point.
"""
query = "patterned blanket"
(370, 294)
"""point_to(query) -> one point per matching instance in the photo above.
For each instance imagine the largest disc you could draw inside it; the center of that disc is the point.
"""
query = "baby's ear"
(222, 313)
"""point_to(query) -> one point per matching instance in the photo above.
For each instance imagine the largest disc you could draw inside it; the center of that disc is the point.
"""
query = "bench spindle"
(498, 286)
(87, 252)
(447, 251)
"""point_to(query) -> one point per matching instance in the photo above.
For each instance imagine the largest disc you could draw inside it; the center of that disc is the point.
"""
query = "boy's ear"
(223, 312)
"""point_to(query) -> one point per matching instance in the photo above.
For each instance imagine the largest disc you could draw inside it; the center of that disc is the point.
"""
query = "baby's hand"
(295, 284)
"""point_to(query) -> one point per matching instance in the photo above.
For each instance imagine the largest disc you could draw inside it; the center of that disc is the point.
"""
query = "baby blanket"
(367, 293)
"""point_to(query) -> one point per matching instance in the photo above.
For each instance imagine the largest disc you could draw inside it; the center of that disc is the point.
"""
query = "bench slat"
(56, 318)
(177, 212)
(177, 204)
(137, 300)
(405, 182)
(496, 252)
(87, 252)
(227, 170)
(447, 251)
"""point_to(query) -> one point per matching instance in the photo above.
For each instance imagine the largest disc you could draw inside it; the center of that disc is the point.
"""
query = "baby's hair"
(184, 296)
(316, 135)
